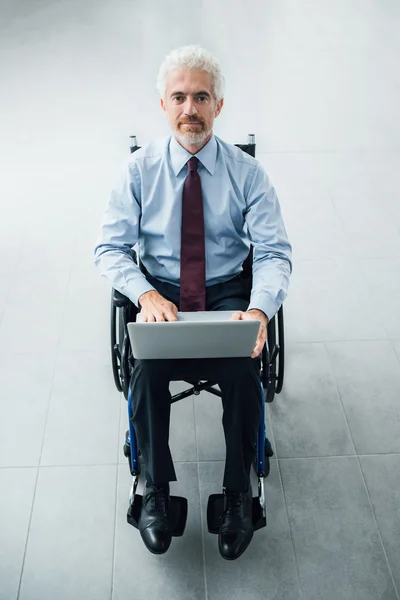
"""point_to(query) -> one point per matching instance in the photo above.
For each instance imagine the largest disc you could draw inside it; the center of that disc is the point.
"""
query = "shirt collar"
(179, 156)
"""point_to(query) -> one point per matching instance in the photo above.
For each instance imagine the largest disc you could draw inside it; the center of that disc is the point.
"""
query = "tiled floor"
(318, 82)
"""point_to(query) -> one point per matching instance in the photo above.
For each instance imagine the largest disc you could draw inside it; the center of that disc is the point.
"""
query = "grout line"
(57, 355)
(357, 456)
(392, 340)
(289, 527)
(340, 398)
(62, 312)
(116, 504)
(44, 434)
(327, 457)
(207, 460)
(324, 457)
(200, 501)
(291, 342)
(27, 533)
(377, 527)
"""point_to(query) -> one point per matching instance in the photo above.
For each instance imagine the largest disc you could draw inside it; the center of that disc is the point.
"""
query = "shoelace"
(233, 502)
(157, 497)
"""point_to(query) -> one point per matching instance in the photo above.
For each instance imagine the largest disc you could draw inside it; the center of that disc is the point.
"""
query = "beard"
(192, 135)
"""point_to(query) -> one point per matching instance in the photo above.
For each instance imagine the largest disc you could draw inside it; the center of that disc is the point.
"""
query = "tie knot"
(192, 163)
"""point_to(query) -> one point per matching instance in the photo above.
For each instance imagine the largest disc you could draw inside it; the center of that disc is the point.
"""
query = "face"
(190, 106)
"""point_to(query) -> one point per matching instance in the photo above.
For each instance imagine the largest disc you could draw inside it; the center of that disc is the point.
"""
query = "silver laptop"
(207, 334)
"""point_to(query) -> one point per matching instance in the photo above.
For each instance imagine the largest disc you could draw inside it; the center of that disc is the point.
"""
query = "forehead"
(188, 81)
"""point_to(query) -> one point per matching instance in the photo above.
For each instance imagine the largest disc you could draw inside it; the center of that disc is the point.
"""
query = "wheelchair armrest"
(118, 299)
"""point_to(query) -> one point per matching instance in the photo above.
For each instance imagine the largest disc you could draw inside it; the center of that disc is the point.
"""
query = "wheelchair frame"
(271, 380)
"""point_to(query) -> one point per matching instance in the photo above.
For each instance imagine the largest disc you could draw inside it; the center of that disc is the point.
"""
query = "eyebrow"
(200, 93)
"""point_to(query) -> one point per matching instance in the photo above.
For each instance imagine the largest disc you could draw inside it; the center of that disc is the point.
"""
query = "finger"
(170, 316)
(261, 338)
(236, 316)
(256, 351)
(150, 318)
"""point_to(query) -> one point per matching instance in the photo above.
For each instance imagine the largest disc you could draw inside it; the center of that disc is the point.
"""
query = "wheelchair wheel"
(281, 357)
(115, 345)
(121, 354)
(126, 355)
(271, 377)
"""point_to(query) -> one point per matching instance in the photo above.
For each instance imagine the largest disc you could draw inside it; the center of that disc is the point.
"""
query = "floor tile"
(88, 231)
(16, 498)
(307, 416)
(396, 346)
(33, 312)
(179, 573)
(383, 280)
(86, 320)
(267, 569)
(328, 135)
(382, 475)
(25, 384)
(12, 225)
(5, 288)
(314, 228)
(48, 250)
(209, 430)
(70, 546)
(337, 544)
(82, 425)
(368, 378)
(330, 301)
(367, 223)
(385, 183)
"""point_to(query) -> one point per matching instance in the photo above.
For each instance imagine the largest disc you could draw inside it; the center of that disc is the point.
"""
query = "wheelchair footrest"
(215, 509)
(178, 509)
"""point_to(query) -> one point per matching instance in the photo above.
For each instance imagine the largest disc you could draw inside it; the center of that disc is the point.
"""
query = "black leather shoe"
(236, 529)
(154, 524)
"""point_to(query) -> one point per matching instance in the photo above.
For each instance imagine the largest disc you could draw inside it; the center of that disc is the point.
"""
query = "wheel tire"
(127, 450)
(271, 383)
(113, 338)
(281, 357)
(127, 446)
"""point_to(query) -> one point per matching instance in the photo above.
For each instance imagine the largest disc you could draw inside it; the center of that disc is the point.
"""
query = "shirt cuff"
(136, 288)
(264, 303)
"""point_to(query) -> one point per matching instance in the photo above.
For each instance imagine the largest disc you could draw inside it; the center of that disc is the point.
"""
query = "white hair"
(194, 58)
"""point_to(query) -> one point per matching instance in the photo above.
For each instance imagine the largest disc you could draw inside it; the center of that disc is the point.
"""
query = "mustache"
(188, 122)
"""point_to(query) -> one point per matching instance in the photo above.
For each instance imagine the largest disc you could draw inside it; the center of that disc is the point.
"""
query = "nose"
(189, 107)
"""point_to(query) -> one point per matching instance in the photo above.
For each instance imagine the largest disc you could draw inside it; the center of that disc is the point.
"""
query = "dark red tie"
(193, 262)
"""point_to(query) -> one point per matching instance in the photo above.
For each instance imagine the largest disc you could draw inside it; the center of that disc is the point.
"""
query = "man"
(195, 204)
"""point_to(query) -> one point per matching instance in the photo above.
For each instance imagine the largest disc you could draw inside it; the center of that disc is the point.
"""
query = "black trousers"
(238, 378)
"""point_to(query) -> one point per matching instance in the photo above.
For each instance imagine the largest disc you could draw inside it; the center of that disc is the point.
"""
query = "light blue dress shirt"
(240, 208)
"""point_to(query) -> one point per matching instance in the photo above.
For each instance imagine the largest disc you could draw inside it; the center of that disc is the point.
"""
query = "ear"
(219, 107)
(163, 105)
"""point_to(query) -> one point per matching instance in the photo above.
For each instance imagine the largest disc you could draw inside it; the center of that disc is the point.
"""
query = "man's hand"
(156, 308)
(254, 315)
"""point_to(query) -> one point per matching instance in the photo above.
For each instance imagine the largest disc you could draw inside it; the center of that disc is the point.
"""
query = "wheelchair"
(124, 311)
